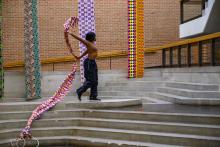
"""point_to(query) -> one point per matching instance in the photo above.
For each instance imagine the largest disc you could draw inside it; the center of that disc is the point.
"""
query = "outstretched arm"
(78, 58)
(85, 53)
(87, 43)
(67, 42)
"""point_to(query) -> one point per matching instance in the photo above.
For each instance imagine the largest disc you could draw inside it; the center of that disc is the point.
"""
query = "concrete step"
(24, 106)
(137, 136)
(144, 99)
(185, 100)
(189, 93)
(136, 94)
(10, 105)
(177, 108)
(155, 116)
(134, 83)
(72, 102)
(105, 103)
(147, 78)
(125, 79)
(5, 100)
(193, 129)
(149, 100)
(193, 86)
(49, 114)
(207, 119)
(67, 141)
(129, 88)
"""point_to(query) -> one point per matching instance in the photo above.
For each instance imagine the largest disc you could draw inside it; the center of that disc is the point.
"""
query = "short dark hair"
(90, 36)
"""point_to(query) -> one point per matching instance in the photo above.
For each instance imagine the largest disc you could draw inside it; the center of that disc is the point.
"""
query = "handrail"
(188, 41)
(102, 55)
(119, 53)
(189, 58)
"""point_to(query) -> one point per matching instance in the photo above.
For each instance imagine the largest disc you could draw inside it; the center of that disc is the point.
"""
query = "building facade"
(161, 26)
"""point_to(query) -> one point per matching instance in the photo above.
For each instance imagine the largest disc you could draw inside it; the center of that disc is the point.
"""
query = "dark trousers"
(91, 77)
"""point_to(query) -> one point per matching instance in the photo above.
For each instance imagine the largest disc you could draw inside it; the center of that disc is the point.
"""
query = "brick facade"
(161, 27)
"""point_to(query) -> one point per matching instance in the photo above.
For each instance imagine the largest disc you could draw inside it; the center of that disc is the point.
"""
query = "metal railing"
(104, 55)
(199, 51)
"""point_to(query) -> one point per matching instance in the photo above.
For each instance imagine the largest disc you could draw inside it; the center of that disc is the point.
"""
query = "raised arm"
(87, 43)
(78, 58)
(67, 42)
(85, 53)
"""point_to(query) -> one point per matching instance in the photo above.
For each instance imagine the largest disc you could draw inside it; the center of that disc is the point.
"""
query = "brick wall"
(12, 29)
(161, 26)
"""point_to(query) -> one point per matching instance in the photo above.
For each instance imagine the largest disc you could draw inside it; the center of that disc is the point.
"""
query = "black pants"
(91, 76)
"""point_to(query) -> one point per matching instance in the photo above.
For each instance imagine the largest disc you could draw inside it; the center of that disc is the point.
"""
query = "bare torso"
(92, 52)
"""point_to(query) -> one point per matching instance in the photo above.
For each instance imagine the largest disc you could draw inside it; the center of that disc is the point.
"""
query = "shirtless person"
(90, 66)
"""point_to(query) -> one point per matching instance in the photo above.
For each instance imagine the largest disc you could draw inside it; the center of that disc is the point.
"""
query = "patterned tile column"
(86, 14)
(1, 61)
(140, 38)
(31, 45)
(135, 38)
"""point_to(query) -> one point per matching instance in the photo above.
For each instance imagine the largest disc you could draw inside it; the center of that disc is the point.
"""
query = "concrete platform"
(105, 103)
(71, 103)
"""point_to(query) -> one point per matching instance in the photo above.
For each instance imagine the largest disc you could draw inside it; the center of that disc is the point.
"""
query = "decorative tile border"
(31, 45)
(86, 14)
(135, 38)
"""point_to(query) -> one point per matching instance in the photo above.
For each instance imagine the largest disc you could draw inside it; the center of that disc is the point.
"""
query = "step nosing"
(128, 122)
(81, 110)
(101, 140)
(137, 122)
(184, 97)
(187, 83)
(175, 135)
(188, 90)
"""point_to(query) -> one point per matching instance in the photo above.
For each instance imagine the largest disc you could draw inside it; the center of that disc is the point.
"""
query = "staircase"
(189, 93)
(108, 128)
(120, 120)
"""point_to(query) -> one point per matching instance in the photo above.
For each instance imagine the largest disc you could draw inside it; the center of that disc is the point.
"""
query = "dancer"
(90, 66)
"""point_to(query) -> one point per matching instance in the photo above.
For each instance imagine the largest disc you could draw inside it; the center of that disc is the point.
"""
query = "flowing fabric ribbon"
(59, 94)
(48, 104)
(71, 22)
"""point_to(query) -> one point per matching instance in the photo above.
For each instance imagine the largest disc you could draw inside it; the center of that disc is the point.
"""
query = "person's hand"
(70, 33)
(73, 31)
(71, 51)
(77, 58)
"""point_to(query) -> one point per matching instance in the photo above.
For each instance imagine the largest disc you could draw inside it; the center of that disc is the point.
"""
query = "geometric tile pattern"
(31, 46)
(135, 38)
(139, 38)
(131, 38)
(86, 14)
(1, 62)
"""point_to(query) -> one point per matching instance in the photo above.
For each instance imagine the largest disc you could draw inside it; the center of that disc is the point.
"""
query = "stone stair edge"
(189, 83)
(116, 120)
(188, 90)
(182, 97)
(81, 110)
(98, 140)
(177, 135)
(186, 100)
